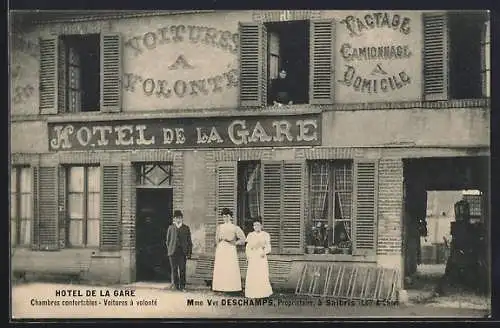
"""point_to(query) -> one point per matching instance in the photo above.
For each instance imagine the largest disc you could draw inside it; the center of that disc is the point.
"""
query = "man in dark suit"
(179, 247)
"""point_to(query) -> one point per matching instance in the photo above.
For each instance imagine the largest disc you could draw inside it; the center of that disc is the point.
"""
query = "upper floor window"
(21, 213)
(79, 68)
(302, 49)
(456, 55)
(80, 73)
(288, 62)
(467, 38)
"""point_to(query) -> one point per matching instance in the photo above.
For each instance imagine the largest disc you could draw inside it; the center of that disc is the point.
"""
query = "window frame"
(85, 194)
(331, 198)
(18, 195)
(486, 59)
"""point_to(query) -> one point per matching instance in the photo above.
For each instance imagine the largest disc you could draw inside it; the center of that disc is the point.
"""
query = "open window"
(79, 68)
(249, 194)
(288, 51)
(80, 73)
(304, 48)
(456, 55)
(466, 42)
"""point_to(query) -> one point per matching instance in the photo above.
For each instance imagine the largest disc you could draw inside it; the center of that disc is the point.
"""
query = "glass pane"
(26, 206)
(74, 57)
(76, 232)
(93, 205)
(13, 180)
(13, 205)
(75, 206)
(25, 179)
(342, 237)
(343, 177)
(93, 229)
(25, 232)
(343, 205)
(74, 77)
(94, 178)
(13, 230)
(76, 179)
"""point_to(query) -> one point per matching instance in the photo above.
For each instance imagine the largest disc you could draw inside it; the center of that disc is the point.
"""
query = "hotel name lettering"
(248, 131)
(377, 80)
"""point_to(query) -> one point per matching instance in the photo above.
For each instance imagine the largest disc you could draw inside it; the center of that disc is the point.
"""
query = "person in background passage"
(281, 89)
(179, 247)
(226, 274)
(257, 284)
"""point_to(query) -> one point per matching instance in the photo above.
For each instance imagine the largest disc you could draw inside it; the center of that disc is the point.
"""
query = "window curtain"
(253, 190)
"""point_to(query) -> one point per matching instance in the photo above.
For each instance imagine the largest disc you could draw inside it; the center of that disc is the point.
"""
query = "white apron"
(226, 275)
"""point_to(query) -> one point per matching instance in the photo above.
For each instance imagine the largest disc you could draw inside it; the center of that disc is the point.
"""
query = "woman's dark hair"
(257, 219)
(226, 211)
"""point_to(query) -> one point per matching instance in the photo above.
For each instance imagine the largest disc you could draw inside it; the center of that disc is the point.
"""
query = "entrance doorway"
(431, 188)
(153, 216)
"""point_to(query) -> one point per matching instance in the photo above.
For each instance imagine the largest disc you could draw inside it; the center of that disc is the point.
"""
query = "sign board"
(220, 132)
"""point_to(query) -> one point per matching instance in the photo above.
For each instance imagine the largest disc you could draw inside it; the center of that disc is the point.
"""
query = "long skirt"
(257, 284)
(226, 276)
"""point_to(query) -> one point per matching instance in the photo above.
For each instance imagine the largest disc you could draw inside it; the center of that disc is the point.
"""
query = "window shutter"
(293, 207)
(227, 180)
(110, 207)
(435, 56)
(365, 187)
(62, 205)
(271, 212)
(48, 75)
(253, 65)
(321, 86)
(111, 72)
(35, 237)
(47, 208)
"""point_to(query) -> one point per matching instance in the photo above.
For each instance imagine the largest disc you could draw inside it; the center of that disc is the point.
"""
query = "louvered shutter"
(35, 237)
(365, 194)
(47, 208)
(271, 191)
(435, 56)
(62, 205)
(110, 207)
(111, 72)
(253, 65)
(48, 83)
(322, 41)
(227, 180)
(293, 207)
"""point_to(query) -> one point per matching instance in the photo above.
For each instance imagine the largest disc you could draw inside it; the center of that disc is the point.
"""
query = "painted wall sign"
(168, 35)
(280, 131)
(375, 54)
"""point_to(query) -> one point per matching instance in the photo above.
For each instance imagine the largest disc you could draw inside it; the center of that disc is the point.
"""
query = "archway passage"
(459, 174)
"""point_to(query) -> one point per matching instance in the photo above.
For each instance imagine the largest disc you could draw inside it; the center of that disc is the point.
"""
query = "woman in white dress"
(226, 275)
(257, 284)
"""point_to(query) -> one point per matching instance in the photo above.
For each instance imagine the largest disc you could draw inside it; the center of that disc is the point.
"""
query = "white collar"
(178, 225)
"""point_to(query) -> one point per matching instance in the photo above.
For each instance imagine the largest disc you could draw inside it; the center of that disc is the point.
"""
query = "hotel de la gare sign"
(220, 132)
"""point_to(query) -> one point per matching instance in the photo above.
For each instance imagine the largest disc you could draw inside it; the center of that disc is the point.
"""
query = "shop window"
(154, 175)
(21, 213)
(288, 62)
(249, 194)
(329, 228)
(469, 60)
(84, 204)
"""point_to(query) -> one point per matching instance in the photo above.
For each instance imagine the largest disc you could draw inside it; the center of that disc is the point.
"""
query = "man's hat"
(177, 213)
